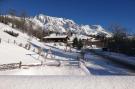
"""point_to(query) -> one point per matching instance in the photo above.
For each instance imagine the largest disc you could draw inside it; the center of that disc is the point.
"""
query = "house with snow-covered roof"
(56, 38)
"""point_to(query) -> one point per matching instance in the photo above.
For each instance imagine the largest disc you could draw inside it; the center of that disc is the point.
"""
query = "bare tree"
(118, 42)
(23, 16)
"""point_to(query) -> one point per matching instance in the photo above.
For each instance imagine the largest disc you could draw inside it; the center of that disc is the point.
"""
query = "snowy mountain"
(62, 25)
(65, 25)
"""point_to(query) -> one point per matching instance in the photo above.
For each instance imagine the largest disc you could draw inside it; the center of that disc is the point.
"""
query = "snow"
(57, 51)
(94, 30)
(100, 66)
(22, 38)
(10, 53)
(91, 74)
(71, 75)
(13, 53)
(46, 70)
(121, 57)
(64, 82)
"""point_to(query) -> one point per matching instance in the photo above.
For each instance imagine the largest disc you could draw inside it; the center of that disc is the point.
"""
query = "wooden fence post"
(0, 40)
(41, 63)
(8, 40)
(14, 41)
(20, 64)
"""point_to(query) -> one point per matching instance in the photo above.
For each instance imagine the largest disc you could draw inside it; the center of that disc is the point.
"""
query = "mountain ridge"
(63, 25)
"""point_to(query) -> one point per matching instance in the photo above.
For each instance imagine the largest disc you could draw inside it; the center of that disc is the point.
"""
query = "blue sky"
(103, 12)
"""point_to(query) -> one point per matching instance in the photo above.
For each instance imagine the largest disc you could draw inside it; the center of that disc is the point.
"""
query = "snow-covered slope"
(65, 25)
(12, 53)
(22, 38)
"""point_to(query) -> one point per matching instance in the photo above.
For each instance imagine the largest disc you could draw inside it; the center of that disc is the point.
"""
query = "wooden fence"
(9, 66)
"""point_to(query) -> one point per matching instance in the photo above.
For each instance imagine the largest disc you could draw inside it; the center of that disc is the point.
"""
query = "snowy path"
(100, 66)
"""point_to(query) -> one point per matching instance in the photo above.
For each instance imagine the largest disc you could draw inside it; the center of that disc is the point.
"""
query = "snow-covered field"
(10, 53)
(64, 82)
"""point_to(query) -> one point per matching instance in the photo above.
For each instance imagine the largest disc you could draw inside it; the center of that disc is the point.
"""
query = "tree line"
(120, 41)
(77, 43)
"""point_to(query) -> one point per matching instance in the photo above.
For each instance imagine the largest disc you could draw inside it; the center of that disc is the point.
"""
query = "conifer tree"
(75, 42)
(80, 44)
